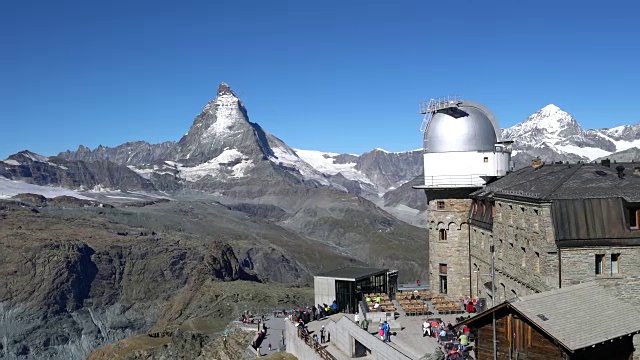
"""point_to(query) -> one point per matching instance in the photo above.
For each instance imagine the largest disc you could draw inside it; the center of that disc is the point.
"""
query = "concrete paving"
(275, 330)
(314, 328)
(408, 340)
(411, 334)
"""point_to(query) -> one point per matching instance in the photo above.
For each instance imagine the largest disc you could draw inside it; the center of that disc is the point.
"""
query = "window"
(486, 159)
(615, 264)
(599, 264)
(524, 256)
(440, 205)
(475, 206)
(443, 284)
(537, 261)
(634, 218)
(442, 234)
(443, 268)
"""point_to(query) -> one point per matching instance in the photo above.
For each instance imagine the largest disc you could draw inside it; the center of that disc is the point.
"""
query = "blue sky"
(343, 76)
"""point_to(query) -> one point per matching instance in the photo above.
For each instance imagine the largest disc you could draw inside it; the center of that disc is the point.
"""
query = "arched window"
(442, 234)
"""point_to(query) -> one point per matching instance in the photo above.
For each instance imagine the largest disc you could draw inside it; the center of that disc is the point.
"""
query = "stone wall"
(452, 217)
(525, 252)
(578, 265)
(527, 259)
(344, 333)
(296, 345)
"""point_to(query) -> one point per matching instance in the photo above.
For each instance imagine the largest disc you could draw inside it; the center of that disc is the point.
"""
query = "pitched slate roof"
(576, 316)
(355, 273)
(568, 181)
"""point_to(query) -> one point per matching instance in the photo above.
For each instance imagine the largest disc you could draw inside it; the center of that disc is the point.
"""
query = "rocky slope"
(72, 280)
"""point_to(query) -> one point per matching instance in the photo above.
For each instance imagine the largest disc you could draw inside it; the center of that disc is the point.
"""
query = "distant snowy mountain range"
(554, 135)
(226, 154)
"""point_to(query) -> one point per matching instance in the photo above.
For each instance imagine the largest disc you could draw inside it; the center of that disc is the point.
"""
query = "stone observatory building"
(463, 151)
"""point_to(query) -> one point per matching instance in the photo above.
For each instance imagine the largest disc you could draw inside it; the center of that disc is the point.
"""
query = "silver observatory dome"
(469, 126)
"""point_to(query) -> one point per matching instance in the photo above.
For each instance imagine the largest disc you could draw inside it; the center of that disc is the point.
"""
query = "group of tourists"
(469, 305)
(313, 313)
(455, 342)
(376, 302)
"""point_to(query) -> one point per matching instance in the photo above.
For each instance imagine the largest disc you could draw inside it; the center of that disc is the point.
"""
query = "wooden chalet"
(577, 322)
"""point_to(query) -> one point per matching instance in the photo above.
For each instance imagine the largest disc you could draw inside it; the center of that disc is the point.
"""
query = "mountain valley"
(140, 238)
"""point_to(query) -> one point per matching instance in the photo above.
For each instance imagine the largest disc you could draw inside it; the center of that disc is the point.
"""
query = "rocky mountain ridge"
(73, 280)
(228, 181)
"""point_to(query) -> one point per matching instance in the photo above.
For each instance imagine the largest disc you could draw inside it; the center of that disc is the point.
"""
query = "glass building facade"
(348, 292)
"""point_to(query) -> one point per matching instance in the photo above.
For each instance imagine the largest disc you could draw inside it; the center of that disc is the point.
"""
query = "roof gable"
(575, 316)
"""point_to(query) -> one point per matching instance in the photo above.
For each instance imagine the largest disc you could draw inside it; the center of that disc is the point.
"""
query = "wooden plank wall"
(527, 343)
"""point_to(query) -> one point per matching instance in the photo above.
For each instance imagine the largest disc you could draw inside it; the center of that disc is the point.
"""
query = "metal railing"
(454, 180)
(319, 349)
(442, 102)
(429, 107)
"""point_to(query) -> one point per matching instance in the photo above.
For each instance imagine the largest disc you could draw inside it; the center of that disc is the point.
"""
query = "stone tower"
(463, 151)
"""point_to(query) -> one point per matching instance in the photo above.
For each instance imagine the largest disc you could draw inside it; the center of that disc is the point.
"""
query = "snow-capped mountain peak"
(548, 125)
(223, 124)
(230, 114)
(224, 89)
(552, 120)
(550, 109)
(553, 134)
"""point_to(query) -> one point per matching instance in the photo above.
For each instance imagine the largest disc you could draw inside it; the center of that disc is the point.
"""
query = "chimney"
(620, 170)
(536, 163)
(605, 162)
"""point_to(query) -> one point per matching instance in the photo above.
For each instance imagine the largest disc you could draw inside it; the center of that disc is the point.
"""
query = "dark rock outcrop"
(387, 169)
(69, 284)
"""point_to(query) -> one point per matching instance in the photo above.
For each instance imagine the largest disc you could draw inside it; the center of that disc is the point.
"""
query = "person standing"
(426, 327)
(464, 341)
(357, 318)
(322, 335)
(387, 332)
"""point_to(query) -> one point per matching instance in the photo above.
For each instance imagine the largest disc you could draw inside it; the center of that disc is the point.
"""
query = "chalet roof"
(576, 316)
(568, 181)
(354, 273)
